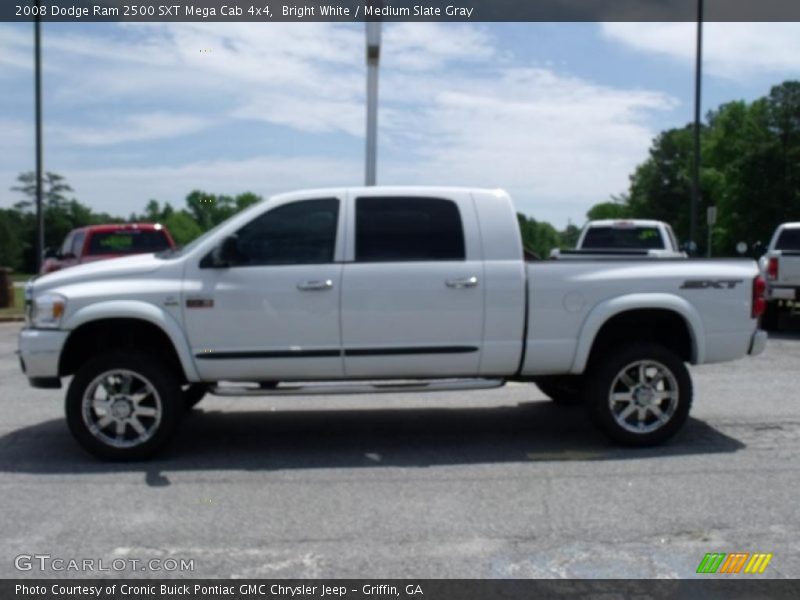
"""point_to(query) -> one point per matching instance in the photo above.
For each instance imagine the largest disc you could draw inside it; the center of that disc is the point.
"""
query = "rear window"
(127, 241)
(647, 238)
(408, 229)
(789, 239)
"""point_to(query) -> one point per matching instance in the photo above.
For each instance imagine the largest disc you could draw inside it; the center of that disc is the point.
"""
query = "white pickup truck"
(624, 238)
(379, 289)
(781, 267)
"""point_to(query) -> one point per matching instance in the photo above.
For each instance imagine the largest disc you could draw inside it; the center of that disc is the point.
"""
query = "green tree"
(11, 242)
(569, 237)
(54, 186)
(616, 208)
(246, 199)
(537, 236)
(182, 227)
(750, 171)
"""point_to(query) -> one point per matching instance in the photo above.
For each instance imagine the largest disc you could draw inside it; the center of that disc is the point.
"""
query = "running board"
(375, 387)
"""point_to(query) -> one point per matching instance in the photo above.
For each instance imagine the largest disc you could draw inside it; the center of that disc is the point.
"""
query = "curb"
(12, 319)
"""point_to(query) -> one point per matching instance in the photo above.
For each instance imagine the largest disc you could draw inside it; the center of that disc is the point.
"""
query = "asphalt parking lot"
(498, 483)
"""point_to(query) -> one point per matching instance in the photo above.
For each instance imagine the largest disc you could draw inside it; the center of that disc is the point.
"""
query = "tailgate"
(788, 268)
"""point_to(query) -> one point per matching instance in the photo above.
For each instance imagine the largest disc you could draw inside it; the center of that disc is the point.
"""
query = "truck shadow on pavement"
(371, 438)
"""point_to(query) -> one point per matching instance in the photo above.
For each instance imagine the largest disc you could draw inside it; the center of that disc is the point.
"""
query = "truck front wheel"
(640, 395)
(123, 406)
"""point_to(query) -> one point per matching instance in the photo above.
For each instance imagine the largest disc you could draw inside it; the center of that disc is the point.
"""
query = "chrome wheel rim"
(644, 396)
(121, 408)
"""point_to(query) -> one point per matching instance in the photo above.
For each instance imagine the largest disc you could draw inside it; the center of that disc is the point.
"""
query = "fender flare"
(608, 309)
(134, 309)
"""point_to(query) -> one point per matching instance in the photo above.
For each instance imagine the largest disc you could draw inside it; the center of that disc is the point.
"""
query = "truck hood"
(114, 268)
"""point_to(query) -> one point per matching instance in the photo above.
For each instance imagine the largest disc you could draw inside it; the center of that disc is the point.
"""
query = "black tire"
(193, 393)
(771, 316)
(157, 412)
(564, 391)
(675, 386)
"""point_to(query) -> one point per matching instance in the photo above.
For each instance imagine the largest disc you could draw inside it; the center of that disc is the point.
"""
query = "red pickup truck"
(99, 242)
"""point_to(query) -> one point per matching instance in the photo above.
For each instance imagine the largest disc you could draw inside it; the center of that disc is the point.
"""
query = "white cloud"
(426, 46)
(16, 49)
(132, 128)
(559, 144)
(734, 51)
(456, 108)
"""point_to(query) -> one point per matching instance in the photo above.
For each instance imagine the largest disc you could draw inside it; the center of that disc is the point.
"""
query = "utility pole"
(373, 57)
(698, 76)
(38, 85)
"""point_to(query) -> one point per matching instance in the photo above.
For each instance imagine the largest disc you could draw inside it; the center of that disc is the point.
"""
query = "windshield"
(127, 241)
(789, 239)
(647, 238)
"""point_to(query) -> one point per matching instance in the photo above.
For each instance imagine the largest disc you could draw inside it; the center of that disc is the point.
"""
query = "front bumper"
(39, 354)
(758, 342)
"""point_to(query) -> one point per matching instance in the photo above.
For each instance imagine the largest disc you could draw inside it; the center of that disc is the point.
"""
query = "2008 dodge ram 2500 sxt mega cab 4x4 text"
(379, 289)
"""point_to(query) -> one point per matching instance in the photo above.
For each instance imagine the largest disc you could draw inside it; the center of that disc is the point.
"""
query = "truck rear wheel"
(123, 406)
(640, 395)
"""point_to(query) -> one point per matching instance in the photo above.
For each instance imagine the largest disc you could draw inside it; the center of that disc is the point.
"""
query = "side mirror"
(226, 253)
(50, 253)
(68, 256)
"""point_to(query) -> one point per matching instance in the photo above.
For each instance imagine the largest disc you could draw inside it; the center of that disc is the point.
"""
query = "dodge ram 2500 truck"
(379, 289)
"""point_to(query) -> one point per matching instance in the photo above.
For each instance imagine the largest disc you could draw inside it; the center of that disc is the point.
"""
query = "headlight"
(47, 310)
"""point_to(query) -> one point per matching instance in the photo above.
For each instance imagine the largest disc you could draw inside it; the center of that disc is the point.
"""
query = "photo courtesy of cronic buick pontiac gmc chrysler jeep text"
(373, 290)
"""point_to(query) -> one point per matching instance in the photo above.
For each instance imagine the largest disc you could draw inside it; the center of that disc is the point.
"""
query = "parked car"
(781, 268)
(100, 242)
(631, 237)
(379, 289)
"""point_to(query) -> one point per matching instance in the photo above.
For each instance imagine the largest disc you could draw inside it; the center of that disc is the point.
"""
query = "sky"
(558, 114)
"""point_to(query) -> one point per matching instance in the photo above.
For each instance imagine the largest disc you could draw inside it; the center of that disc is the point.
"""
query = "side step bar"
(367, 387)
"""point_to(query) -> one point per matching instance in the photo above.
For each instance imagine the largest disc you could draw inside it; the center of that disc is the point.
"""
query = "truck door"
(274, 313)
(412, 289)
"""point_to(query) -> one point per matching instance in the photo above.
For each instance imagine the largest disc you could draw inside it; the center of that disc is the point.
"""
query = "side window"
(390, 229)
(77, 243)
(297, 233)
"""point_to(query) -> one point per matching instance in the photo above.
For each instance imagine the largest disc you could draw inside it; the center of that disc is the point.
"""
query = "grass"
(18, 309)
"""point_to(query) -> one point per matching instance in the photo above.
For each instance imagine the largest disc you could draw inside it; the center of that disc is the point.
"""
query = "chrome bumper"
(40, 351)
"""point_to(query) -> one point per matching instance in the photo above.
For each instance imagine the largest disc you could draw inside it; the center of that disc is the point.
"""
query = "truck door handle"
(465, 282)
(315, 285)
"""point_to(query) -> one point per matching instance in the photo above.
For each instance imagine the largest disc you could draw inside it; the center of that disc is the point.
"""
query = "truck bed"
(570, 300)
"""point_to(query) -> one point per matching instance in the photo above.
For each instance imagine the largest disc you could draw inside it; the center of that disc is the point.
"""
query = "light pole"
(373, 57)
(698, 75)
(37, 57)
